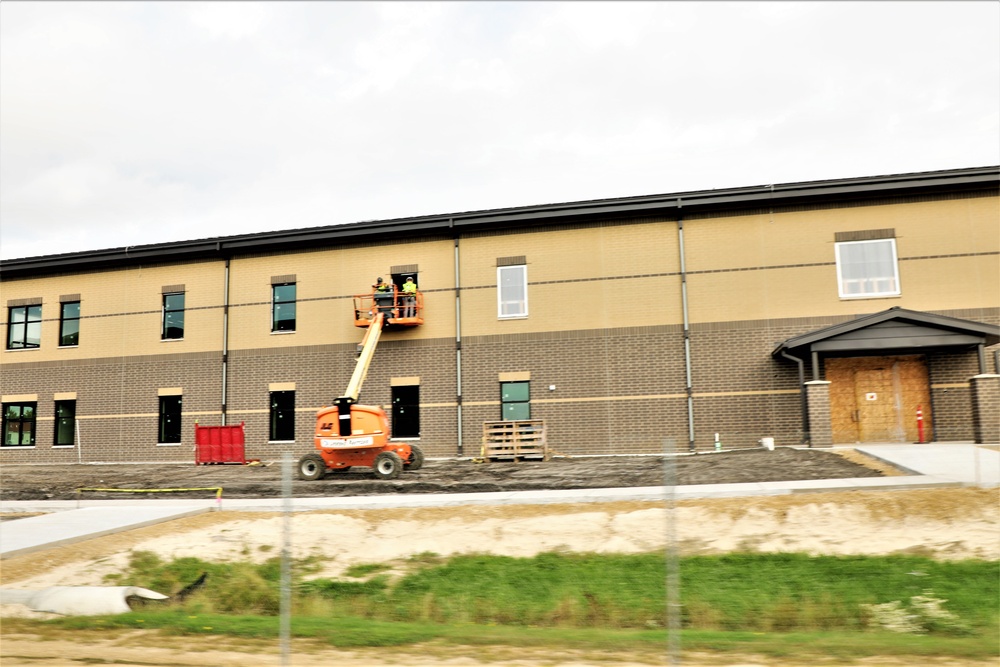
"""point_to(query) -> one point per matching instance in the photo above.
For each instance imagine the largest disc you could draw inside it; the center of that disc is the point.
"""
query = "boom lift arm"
(366, 351)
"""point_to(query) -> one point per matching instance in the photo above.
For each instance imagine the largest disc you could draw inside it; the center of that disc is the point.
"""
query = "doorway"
(875, 399)
(406, 411)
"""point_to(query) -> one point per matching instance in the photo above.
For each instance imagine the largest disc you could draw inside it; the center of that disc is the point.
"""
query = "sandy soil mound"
(941, 523)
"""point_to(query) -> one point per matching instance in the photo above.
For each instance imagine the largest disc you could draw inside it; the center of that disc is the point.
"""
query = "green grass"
(774, 604)
(350, 633)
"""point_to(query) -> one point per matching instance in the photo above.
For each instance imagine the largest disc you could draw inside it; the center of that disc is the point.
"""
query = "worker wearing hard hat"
(381, 286)
(409, 298)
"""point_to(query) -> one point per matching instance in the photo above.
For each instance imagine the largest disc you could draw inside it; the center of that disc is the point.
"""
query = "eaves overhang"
(673, 205)
(893, 331)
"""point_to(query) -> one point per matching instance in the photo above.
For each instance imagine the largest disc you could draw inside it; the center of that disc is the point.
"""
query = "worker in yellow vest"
(409, 298)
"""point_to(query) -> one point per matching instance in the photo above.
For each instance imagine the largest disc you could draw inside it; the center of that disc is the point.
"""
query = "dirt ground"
(941, 523)
(60, 482)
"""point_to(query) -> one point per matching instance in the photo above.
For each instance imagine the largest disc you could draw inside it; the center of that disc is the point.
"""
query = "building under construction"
(812, 313)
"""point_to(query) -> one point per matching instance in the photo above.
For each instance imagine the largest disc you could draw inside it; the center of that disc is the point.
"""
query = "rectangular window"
(19, 424)
(283, 307)
(282, 416)
(512, 291)
(515, 401)
(69, 324)
(65, 423)
(867, 268)
(170, 419)
(173, 316)
(24, 327)
(406, 411)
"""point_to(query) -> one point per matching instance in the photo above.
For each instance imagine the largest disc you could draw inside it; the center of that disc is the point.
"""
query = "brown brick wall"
(818, 397)
(986, 408)
(618, 391)
(321, 374)
(117, 405)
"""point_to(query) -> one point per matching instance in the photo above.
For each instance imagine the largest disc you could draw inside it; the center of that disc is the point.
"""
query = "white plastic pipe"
(78, 600)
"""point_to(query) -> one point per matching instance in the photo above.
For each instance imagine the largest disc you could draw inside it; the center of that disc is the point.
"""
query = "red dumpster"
(219, 444)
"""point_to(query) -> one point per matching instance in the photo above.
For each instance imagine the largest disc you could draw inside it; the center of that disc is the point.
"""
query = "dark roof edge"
(989, 331)
(453, 223)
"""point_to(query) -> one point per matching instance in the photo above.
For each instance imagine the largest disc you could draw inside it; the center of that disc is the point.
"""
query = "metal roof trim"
(450, 223)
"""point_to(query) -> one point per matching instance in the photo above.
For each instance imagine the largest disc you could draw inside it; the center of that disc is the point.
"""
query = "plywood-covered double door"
(875, 399)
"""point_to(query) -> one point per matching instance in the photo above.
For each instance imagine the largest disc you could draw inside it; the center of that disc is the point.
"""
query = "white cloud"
(149, 122)
(230, 20)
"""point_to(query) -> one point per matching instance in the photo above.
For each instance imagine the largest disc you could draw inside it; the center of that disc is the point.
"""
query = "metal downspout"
(804, 398)
(688, 386)
(225, 342)
(458, 348)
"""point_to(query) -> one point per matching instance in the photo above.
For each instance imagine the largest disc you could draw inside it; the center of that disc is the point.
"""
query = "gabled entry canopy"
(893, 331)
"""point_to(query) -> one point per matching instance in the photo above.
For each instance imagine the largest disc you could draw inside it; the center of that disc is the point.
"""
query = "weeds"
(736, 592)
(925, 613)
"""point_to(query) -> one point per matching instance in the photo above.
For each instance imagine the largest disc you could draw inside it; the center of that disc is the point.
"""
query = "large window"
(514, 401)
(170, 420)
(173, 316)
(19, 424)
(282, 416)
(867, 268)
(69, 324)
(24, 327)
(512, 291)
(283, 307)
(65, 423)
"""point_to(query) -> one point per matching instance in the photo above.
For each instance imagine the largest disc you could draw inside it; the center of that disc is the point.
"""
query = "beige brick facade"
(604, 329)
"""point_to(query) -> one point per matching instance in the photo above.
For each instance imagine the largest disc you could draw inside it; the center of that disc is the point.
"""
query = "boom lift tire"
(388, 465)
(416, 461)
(312, 467)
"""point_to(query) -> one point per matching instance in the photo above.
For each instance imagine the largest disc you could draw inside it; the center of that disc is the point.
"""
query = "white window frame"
(878, 286)
(502, 303)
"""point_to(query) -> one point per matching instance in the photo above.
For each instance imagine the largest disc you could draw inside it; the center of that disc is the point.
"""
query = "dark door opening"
(406, 411)
(399, 278)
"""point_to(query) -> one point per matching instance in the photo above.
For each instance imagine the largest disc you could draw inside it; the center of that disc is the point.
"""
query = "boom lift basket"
(398, 312)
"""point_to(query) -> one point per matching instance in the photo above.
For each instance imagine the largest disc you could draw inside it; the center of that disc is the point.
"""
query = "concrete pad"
(966, 463)
(22, 536)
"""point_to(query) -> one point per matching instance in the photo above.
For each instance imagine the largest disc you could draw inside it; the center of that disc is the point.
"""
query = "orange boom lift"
(348, 434)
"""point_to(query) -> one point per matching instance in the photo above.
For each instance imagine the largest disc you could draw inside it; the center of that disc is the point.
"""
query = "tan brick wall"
(326, 281)
(120, 312)
(595, 277)
(782, 264)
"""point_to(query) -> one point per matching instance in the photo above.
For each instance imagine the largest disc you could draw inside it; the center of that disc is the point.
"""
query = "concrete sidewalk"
(978, 465)
(23, 536)
(64, 522)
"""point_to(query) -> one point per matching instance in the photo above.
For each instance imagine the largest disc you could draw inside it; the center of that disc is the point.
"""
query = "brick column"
(986, 408)
(820, 426)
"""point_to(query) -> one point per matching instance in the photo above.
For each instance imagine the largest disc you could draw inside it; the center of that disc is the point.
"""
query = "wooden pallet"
(514, 440)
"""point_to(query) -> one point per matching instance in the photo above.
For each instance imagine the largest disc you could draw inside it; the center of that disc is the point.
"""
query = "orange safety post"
(920, 425)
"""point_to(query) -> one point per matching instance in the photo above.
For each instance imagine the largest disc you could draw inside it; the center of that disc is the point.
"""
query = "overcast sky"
(126, 123)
